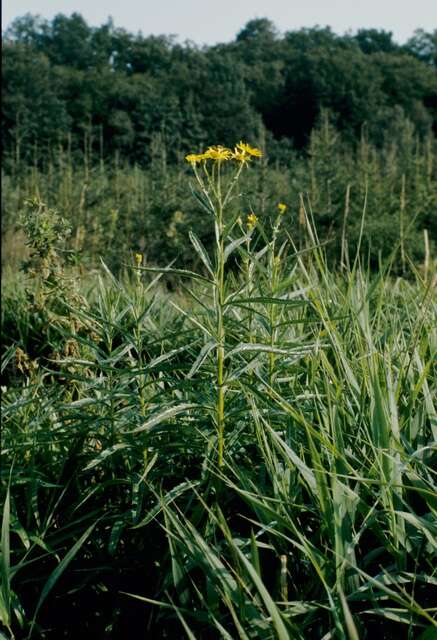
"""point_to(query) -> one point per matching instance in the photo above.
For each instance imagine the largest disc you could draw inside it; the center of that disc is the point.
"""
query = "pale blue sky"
(211, 21)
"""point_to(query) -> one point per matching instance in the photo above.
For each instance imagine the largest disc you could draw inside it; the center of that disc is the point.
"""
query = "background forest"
(96, 122)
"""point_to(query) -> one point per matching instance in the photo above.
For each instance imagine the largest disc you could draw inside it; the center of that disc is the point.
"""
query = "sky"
(212, 21)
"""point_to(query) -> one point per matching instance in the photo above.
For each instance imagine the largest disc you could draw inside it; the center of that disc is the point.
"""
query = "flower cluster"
(282, 208)
(242, 152)
(251, 221)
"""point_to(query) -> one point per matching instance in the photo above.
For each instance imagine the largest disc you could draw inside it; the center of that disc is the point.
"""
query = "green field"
(239, 442)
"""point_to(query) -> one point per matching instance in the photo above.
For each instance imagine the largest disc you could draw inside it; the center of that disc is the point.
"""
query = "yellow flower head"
(194, 158)
(138, 259)
(251, 221)
(240, 156)
(242, 153)
(244, 148)
(282, 208)
(218, 153)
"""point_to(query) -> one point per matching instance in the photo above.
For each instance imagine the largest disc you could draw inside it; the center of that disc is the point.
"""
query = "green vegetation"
(250, 456)
(219, 375)
(116, 208)
(97, 121)
(103, 90)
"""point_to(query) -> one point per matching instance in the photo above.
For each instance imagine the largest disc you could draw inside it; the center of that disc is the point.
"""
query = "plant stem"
(220, 324)
(273, 281)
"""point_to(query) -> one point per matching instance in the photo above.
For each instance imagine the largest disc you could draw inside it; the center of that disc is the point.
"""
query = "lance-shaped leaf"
(164, 415)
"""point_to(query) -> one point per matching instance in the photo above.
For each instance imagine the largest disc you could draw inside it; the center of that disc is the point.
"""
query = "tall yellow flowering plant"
(208, 170)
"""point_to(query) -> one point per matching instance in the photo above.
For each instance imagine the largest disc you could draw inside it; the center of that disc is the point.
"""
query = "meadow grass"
(252, 456)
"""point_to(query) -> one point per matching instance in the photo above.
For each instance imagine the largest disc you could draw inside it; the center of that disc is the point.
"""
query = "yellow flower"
(240, 156)
(218, 153)
(194, 158)
(138, 259)
(242, 147)
(251, 221)
(282, 208)
(242, 153)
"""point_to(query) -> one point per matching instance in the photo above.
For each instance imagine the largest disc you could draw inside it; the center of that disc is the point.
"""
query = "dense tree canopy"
(102, 88)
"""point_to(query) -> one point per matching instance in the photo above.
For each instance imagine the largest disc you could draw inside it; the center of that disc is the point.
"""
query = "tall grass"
(250, 457)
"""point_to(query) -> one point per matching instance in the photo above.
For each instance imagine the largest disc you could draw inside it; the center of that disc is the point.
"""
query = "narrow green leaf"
(271, 607)
(184, 273)
(5, 563)
(204, 352)
(56, 574)
(230, 248)
(201, 251)
(106, 454)
(265, 348)
(164, 415)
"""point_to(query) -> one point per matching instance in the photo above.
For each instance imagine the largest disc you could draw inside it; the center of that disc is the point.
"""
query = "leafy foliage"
(288, 492)
(235, 436)
(115, 208)
(106, 90)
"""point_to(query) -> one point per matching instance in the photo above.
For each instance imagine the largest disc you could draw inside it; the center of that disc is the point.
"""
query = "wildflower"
(251, 221)
(242, 147)
(218, 153)
(194, 158)
(282, 208)
(240, 156)
(138, 259)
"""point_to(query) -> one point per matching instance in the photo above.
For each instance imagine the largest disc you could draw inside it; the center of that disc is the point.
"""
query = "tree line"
(104, 91)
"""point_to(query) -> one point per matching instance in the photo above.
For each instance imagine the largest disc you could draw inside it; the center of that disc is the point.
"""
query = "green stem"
(220, 325)
(249, 268)
(272, 319)
(213, 181)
